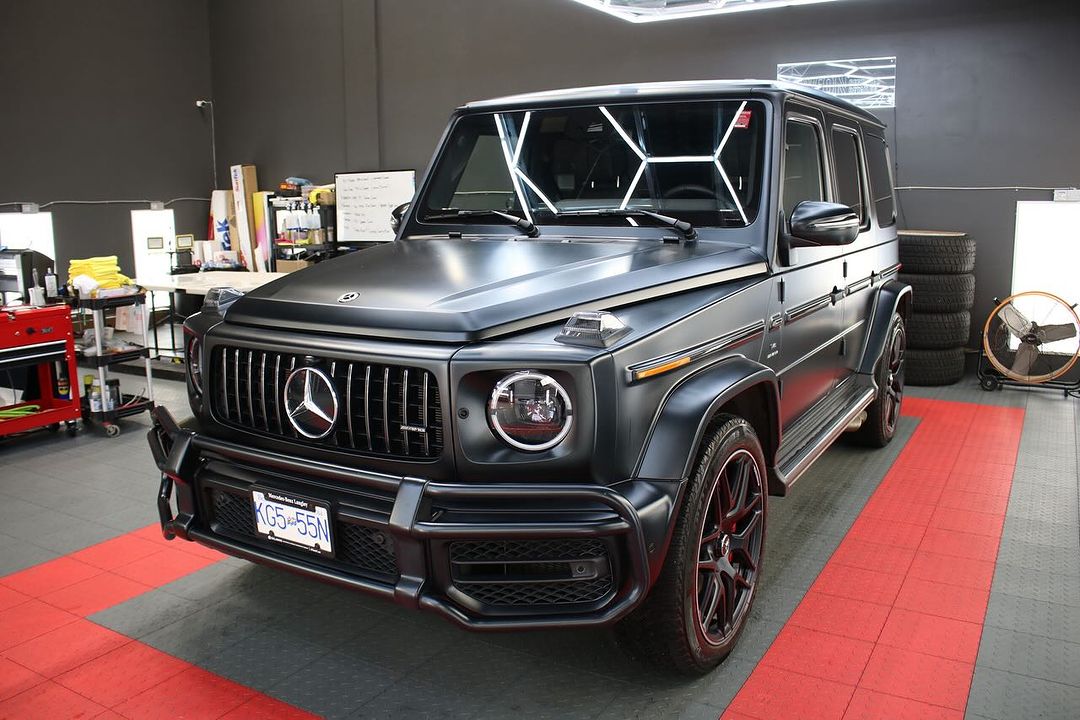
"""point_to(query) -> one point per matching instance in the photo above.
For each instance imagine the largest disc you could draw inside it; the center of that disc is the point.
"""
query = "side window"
(849, 190)
(881, 187)
(803, 176)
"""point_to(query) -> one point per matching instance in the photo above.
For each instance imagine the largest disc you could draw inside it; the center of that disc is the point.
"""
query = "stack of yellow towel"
(104, 270)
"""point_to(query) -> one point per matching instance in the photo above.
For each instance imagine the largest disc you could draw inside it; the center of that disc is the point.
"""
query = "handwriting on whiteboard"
(364, 202)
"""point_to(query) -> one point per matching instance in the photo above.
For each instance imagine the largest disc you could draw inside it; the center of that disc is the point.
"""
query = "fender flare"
(679, 426)
(891, 297)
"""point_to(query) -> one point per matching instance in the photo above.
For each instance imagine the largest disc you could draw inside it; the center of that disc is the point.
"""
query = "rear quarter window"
(881, 186)
(849, 190)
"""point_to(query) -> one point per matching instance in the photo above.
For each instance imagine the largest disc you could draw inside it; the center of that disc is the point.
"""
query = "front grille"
(387, 410)
(518, 573)
(357, 547)
(549, 593)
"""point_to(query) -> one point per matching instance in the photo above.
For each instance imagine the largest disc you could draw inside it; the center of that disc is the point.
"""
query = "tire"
(884, 412)
(940, 293)
(936, 253)
(935, 331)
(666, 629)
(934, 367)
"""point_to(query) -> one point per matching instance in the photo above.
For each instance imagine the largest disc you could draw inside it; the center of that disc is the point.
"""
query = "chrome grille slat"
(386, 406)
(412, 431)
(262, 392)
(423, 413)
(367, 407)
(348, 404)
(405, 409)
(277, 393)
(236, 383)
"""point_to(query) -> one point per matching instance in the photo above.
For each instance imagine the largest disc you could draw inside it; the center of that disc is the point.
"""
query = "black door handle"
(836, 295)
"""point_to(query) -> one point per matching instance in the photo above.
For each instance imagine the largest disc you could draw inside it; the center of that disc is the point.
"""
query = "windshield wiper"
(526, 226)
(682, 226)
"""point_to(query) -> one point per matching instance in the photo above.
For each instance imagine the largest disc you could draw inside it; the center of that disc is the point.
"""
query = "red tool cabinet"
(38, 338)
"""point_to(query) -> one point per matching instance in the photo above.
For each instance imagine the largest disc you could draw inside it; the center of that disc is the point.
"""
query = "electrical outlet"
(1067, 195)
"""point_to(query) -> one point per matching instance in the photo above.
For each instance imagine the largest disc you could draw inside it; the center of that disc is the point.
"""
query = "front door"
(805, 328)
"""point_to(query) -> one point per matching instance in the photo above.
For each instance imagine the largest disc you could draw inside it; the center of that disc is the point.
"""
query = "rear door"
(804, 330)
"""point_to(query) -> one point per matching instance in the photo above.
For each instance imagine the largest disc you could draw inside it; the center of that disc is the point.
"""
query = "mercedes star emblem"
(311, 402)
(348, 297)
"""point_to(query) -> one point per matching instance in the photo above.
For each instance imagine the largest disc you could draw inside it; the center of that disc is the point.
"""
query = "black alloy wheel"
(730, 548)
(893, 360)
(693, 615)
(883, 413)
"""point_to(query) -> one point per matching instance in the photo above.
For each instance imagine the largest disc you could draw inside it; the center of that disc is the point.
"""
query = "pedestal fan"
(1031, 339)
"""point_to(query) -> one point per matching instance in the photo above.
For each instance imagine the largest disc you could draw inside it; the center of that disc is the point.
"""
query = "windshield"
(698, 161)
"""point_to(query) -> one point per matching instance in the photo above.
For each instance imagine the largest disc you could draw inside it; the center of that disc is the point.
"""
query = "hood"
(457, 290)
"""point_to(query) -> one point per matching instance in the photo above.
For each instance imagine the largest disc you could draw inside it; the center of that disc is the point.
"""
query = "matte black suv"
(614, 319)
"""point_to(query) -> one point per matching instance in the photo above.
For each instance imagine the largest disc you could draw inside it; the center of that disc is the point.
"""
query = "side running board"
(793, 464)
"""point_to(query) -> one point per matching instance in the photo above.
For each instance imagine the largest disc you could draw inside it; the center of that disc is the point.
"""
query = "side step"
(808, 439)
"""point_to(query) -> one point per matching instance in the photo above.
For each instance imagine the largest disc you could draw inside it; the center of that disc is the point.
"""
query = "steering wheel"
(691, 189)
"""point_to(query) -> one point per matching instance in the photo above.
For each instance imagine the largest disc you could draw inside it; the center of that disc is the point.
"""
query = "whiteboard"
(28, 231)
(364, 202)
(1047, 249)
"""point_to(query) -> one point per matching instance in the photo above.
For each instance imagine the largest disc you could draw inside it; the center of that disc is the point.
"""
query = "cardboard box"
(292, 265)
(244, 184)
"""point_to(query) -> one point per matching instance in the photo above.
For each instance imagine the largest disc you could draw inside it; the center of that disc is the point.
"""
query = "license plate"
(294, 521)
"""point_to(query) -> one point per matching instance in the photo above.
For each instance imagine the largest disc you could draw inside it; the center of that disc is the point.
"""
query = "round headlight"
(194, 364)
(530, 411)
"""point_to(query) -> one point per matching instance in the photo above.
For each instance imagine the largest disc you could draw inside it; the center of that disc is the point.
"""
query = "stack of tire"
(938, 265)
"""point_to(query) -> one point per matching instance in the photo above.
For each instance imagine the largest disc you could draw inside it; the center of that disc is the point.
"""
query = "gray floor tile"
(146, 614)
(335, 685)
(16, 554)
(1048, 587)
(1031, 655)
(1039, 558)
(1006, 696)
(1035, 617)
(1041, 533)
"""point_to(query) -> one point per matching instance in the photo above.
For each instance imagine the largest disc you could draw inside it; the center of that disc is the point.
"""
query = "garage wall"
(98, 104)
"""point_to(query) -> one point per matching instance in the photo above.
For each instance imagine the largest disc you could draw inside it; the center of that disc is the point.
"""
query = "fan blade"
(1015, 320)
(1025, 358)
(1053, 333)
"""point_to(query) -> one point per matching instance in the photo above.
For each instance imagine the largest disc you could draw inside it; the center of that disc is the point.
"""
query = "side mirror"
(397, 214)
(814, 224)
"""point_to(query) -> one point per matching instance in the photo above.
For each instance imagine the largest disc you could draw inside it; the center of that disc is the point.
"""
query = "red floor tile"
(1003, 453)
(49, 576)
(122, 550)
(49, 701)
(840, 616)
(871, 556)
(949, 601)
(163, 567)
(968, 521)
(775, 694)
(960, 544)
(917, 676)
(950, 570)
(932, 635)
(980, 502)
(858, 584)
(95, 594)
(65, 648)
(194, 694)
(870, 705)
(25, 622)
(822, 655)
(14, 678)
(262, 707)
(122, 673)
(887, 532)
(895, 508)
(10, 598)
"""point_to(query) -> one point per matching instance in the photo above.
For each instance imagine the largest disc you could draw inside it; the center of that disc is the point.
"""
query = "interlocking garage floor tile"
(1035, 617)
(121, 674)
(781, 695)
(81, 641)
(192, 694)
(335, 685)
(1037, 585)
(1006, 696)
(931, 634)
(29, 620)
(50, 700)
(14, 678)
(1032, 655)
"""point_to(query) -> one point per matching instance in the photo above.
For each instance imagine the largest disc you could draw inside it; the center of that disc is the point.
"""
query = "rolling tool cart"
(110, 406)
(40, 338)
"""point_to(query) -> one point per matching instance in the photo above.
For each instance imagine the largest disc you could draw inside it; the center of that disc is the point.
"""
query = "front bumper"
(484, 556)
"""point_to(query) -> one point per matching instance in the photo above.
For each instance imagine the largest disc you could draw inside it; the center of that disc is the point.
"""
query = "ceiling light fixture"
(642, 11)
